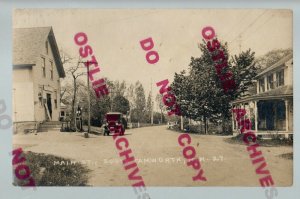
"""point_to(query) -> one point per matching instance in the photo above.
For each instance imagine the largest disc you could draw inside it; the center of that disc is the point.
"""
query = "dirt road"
(160, 159)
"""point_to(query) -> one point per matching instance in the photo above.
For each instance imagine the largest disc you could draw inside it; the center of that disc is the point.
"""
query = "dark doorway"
(49, 105)
(271, 115)
(266, 115)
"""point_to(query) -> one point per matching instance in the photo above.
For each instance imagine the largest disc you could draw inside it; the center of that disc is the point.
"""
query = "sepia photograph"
(152, 97)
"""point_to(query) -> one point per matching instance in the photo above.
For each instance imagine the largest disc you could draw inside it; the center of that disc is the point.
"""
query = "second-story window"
(280, 78)
(51, 70)
(47, 47)
(270, 82)
(44, 66)
(262, 85)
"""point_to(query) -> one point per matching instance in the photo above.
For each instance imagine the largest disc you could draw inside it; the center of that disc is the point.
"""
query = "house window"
(270, 82)
(51, 70)
(44, 66)
(47, 48)
(62, 113)
(280, 78)
(262, 85)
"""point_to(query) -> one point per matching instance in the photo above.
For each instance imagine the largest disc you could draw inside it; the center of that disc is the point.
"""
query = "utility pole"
(151, 105)
(89, 101)
(87, 64)
(240, 43)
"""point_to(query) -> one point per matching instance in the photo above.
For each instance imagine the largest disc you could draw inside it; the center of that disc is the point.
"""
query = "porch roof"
(278, 93)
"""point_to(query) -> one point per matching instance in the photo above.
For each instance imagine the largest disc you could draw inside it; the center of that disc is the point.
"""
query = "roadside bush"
(288, 156)
(198, 129)
(46, 173)
(274, 141)
(213, 129)
(195, 128)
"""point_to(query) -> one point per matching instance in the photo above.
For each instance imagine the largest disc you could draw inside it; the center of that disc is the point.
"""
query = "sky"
(115, 35)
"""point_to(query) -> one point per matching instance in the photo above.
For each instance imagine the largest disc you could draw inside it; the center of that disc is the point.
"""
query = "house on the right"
(270, 105)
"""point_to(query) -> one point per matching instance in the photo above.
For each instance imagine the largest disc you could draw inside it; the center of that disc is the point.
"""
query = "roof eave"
(274, 67)
(56, 55)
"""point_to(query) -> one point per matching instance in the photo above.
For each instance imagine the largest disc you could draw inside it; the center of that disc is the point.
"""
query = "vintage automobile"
(114, 122)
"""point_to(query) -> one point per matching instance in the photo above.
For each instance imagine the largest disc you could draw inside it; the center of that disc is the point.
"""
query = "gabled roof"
(277, 64)
(28, 43)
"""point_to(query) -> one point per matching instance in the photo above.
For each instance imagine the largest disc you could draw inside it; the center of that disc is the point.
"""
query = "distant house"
(63, 112)
(270, 106)
(37, 69)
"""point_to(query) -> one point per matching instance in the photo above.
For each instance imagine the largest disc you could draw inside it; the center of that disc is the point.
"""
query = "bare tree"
(74, 72)
(65, 59)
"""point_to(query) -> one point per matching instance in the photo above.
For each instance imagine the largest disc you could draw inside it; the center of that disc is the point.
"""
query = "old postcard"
(153, 97)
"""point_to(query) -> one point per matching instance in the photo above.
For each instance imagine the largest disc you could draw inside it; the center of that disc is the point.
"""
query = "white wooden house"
(37, 69)
(270, 106)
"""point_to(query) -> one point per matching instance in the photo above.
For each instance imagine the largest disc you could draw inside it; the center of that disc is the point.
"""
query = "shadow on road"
(125, 134)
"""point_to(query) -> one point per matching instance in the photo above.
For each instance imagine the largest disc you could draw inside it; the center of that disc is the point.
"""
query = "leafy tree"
(99, 106)
(272, 57)
(158, 118)
(149, 105)
(139, 103)
(200, 94)
(129, 94)
(118, 88)
(120, 104)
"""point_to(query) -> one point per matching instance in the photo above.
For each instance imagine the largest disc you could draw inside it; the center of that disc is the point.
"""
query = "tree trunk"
(161, 116)
(223, 125)
(201, 126)
(205, 125)
(73, 123)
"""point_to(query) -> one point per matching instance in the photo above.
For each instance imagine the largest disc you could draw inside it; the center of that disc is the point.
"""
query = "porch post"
(286, 115)
(265, 81)
(255, 115)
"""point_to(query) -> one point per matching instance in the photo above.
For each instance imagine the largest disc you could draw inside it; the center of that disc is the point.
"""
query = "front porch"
(270, 118)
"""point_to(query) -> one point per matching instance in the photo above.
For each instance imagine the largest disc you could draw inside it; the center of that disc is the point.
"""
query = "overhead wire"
(237, 24)
(250, 25)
